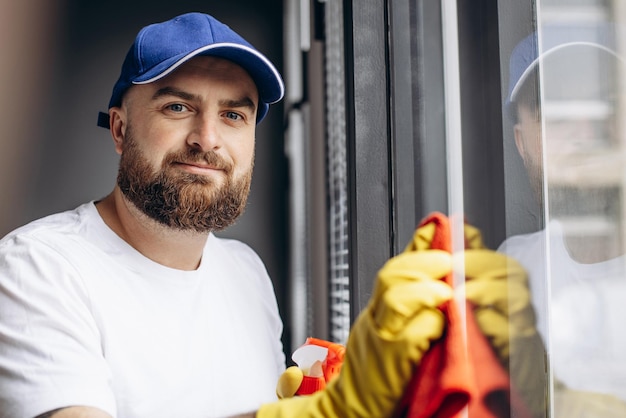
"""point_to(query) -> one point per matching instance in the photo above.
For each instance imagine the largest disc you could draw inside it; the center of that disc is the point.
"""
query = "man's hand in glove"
(386, 342)
(318, 362)
(497, 287)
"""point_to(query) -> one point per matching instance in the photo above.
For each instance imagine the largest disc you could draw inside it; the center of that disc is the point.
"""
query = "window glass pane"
(568, 110)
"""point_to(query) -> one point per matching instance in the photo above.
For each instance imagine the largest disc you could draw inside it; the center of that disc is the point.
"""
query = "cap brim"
(529, 69)
(264, 74)
(550, 39)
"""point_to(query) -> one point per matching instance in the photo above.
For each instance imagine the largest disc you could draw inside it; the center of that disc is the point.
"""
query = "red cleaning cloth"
(459, 370)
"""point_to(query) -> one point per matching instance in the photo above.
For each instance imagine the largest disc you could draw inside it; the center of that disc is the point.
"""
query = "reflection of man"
(578, 281)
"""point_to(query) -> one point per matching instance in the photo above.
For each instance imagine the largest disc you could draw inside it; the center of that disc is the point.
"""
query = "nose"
(204, 134)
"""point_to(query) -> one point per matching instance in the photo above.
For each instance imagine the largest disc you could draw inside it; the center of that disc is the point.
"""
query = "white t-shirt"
(580, 309)
(87, 320)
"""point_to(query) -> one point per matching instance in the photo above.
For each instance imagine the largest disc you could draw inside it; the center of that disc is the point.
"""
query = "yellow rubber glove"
(497, 286)
(289, 382)
(386, 342)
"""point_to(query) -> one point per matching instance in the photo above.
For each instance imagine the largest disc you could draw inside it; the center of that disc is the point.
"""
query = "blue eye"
(233, 115)
(177, 107)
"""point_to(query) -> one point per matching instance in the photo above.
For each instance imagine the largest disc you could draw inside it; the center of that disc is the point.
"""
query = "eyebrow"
(246, 102)
(171, 91)
(243, 102)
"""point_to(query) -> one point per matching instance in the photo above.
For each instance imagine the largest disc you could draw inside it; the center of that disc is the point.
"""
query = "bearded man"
(130, 306)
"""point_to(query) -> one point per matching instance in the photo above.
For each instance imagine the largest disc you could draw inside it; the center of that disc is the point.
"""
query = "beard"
(534, 168)
(180, 200)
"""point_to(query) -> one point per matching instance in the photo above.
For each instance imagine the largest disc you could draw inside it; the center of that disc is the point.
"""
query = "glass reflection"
(566, 99)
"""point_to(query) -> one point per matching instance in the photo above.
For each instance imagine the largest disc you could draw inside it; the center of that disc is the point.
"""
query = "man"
(130, 307)
(577, 280)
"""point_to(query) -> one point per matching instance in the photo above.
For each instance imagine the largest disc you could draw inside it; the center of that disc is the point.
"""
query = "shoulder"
(48, 245)
(519, 244)
(58, 225)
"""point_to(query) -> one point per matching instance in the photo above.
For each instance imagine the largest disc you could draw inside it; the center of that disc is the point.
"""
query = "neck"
(170, 247)
(591, 252)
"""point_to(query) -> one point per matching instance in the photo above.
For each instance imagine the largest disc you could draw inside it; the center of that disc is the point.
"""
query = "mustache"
(195, 156)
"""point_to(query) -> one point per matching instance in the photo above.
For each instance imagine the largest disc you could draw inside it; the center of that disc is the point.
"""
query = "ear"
(117, 124)
(518, 132)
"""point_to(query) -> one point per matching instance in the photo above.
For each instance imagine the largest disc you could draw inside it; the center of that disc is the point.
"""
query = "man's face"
(187, 145)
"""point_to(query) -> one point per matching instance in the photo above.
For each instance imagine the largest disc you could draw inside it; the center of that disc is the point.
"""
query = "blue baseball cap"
(160, 48)
(550, 40)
